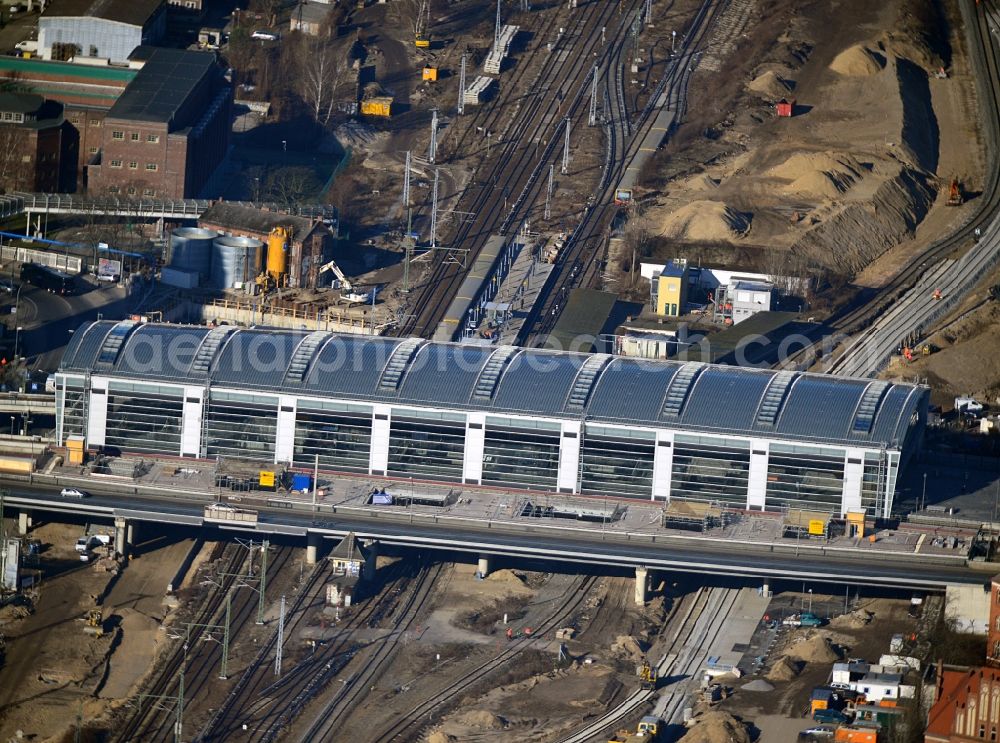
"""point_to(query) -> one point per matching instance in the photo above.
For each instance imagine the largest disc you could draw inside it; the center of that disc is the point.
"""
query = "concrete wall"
(968, 607)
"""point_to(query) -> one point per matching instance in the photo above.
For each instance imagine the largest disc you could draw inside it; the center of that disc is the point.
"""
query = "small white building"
(748, 298)
(100, 29)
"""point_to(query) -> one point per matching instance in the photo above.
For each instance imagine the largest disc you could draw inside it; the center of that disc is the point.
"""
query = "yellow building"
(669, 288)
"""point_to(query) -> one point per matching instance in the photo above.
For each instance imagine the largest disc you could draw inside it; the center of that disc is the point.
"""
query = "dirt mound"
(888, 217)
(628, 646)
(854, 620)
(505, 576)
(717, 727)
(769, 85)
(706, 221)
(857, 61)
(757, 685)
(802, 164)
(783, 670)
(441, 738)
(480, 718)
(814, 649)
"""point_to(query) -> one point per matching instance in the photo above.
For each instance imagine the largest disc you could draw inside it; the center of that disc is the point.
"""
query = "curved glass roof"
(718, 399)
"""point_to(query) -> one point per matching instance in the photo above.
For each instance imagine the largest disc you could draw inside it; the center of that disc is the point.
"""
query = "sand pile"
(783, 670)
(854, 620)
(856, 61)
(706, 221)
(717, 727)
(757, 685)
(506, 576)
(628, 646)
(824, 175)
(441, 738)
(814, 649)
(481, 719)
(769, 85)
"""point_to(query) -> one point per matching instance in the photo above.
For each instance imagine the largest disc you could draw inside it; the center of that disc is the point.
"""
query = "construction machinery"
(647, 675)
(421, 27)
(936, 295)
(94, 623)
(345, 283)
(955, 193)
(647, 731)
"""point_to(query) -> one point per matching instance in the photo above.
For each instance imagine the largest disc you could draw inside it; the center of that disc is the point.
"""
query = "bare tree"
(12, 170)
(321, 71)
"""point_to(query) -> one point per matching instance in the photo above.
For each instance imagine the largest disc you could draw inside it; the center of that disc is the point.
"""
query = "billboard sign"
(109, 269)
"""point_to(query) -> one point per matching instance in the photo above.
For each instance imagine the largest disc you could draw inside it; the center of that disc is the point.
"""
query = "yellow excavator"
(647, 731)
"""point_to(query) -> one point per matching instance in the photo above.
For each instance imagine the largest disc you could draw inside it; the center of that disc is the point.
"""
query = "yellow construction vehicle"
(955, 193)
(647, 675)
(94, 623)
(646, 732)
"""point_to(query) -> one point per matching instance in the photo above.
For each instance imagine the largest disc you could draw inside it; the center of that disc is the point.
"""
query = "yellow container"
(430, 73)
(277, 253)
(75, 457)
(381, 106)
(266, 479)
(74, 443)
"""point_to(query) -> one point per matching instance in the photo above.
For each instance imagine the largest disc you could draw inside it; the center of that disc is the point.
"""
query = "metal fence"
(59, 261)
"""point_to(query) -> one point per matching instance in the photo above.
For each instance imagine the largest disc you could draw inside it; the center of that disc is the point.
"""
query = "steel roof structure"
(683, 396)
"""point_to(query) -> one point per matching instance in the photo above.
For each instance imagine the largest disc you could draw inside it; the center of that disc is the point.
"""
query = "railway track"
(578, 265)
(684, 657)
(412, 724)
(156, 722)
(328, 721)
(265, 705)
(516, 165)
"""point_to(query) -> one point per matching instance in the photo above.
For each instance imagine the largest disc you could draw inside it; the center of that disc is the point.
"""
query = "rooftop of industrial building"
(131, 12)
(162, 85)
(684, 396)
(582, 321)
(251, 219)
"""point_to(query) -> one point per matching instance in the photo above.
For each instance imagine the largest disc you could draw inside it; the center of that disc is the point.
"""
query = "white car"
(74, 493)
(265, 35)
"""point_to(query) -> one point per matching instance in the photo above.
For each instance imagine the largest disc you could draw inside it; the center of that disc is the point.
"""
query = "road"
(681, 554)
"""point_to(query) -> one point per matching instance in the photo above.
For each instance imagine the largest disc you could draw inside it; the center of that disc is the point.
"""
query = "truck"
(87, 543)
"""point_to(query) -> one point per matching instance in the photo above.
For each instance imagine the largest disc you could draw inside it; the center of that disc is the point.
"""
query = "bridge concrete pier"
(485, 565)
(312, 548)
(371, 560)
(765, 590)
(24, 522)
(641, 584)
(124, 535)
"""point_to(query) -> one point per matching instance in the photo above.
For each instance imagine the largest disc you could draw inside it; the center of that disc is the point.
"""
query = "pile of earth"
(717, 727)
(825, 175)
(857, 61)
(706, 221)
(814, 649)
(769, 85)
(784, 669)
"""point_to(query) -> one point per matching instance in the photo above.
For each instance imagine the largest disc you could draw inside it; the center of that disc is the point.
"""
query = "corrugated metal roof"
(720, 399)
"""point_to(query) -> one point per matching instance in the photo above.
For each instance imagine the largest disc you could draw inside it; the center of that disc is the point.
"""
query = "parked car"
(74, 493)
(831, 716)
(265, 35)
(7, 286)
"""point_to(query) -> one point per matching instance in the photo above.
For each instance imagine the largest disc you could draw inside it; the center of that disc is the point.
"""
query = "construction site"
(204, 549)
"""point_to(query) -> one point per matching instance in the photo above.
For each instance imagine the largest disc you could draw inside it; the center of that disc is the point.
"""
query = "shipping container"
(379, 106)
(302, 482)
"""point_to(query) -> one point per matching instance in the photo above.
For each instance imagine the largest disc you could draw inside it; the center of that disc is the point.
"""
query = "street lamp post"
(17, 343)
(12, 425)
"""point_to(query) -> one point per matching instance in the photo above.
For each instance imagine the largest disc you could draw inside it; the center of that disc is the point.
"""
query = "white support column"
(854, 469)
(485, 564)
(121, 535)
(378, 461)
(569, 457)
(371, 560)
(757, 485)
(641, 580)
(312, 548)
(663, 464)
(23, 522)
(191, 419)
(284, 442)
(475, 444)
(97, 412)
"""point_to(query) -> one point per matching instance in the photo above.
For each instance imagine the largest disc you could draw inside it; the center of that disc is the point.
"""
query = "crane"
(345, 283)
(422, 24)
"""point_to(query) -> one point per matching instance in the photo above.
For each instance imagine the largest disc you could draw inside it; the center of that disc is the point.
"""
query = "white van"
(27, 46)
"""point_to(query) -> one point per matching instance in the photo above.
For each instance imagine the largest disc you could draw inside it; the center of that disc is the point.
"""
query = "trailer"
(224, 513)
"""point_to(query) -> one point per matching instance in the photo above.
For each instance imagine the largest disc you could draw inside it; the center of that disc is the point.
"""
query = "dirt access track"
(857, 176)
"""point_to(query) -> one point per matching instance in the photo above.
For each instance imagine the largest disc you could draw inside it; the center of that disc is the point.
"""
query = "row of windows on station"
(516, 453)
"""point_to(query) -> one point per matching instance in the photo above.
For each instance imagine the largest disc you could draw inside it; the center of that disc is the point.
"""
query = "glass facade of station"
(516, 452)
(240, 425)
(340, 434)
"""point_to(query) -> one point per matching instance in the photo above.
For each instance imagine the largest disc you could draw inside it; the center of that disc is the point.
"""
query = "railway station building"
(502, 417)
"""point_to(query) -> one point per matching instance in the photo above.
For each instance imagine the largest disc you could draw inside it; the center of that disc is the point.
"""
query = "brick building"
(311, 244)
(967, 700)
(34, 144)
(86, 92)
(169, 129)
